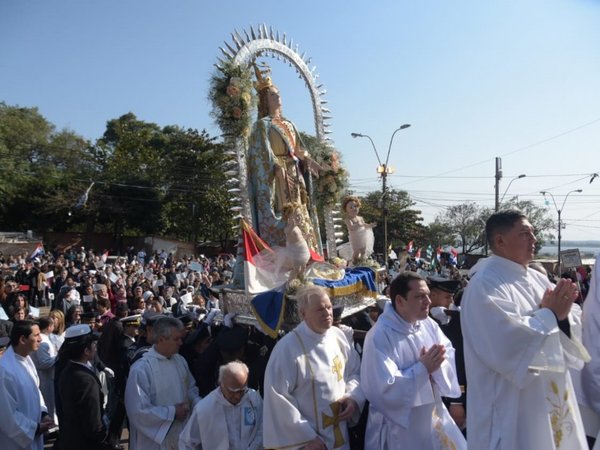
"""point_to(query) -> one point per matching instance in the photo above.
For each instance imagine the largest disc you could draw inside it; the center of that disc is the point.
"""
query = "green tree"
(466, 221)
(39, 167)
(403, 222)
(543, 224)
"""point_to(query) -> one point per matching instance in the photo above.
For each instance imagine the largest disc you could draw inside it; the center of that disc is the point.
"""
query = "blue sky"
(519, 79)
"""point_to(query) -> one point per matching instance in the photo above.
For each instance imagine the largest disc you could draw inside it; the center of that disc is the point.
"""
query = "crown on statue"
(263, 80)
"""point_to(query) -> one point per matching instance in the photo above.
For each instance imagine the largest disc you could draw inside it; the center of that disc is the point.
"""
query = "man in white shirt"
(408, 365)
(44, 359)
(160, 391)
(312, 381)
(232, 404)
(518, 347)
(24, 414)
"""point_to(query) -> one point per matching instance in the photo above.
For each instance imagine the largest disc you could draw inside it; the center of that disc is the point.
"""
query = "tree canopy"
(141, 178)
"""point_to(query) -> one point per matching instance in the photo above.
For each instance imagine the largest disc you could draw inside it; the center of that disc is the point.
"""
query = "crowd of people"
(140, 342)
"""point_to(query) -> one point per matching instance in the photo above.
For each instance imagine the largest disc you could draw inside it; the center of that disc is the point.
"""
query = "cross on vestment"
(335, 422)
(337, 367)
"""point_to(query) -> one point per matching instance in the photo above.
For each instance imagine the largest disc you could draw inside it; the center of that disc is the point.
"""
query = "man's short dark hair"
(501, 222)
(20, 328)
(400, 284)
(44, 323)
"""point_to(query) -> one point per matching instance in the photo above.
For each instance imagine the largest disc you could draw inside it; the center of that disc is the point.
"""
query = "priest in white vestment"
(44, 359)
(311, 382)
(408, 365)
(516, 328)
(160, 391)
(21, 402)
(588, 384)
(229, 418)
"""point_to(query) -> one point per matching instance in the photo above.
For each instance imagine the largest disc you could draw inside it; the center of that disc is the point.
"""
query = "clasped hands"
(433, 358)
(560, 299)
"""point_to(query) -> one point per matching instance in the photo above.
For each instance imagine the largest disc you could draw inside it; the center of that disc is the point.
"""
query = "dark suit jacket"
(453, 331)
(81, 425)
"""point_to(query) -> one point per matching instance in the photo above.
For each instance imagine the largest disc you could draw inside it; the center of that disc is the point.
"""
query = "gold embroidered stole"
(332, 420)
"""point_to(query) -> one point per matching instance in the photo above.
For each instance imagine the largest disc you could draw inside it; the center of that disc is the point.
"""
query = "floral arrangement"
(332, 183)
(294, 285)
(338, 262)
(370, 263)
(232, 96)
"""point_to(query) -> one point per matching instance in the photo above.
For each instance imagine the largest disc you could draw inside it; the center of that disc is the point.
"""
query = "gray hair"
(164, 326)
(306, 292)
(233, 368)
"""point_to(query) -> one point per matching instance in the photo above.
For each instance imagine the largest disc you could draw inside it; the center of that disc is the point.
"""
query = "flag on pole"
(429, 252)
(257, 276)
(418, 253)
(453, 256)
(104, 256)
(409, 247)
(38, 251)
(82, 201)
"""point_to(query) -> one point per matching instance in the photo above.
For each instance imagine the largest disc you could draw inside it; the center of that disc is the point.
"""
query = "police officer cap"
(337, 311)
(199, 334)
(135, 320)
(231, 339)
(149, 318)
(443, 284)
(77, 332)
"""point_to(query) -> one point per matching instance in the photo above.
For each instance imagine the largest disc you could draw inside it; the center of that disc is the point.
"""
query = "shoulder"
(287, 349)
(335, 333)
(431, 327)
(253, 398)
(206, 406)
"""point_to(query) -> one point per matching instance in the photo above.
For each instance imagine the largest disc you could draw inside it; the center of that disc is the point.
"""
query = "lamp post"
(559, 212)
(507, 187)
(383, 170)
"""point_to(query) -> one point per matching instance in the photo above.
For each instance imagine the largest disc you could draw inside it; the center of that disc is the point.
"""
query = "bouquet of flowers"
(232, 97)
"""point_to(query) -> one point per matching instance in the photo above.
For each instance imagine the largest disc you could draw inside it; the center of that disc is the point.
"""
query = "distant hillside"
(574, 244)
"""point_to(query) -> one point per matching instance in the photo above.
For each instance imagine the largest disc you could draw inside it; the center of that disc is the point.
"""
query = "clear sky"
(517, 79)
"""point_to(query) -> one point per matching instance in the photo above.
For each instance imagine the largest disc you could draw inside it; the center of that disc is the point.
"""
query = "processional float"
(233, 97)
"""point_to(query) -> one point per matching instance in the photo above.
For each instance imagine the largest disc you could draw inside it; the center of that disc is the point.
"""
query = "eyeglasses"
(242, 390)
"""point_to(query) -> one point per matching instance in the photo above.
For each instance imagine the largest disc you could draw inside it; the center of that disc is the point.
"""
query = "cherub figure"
(360, 233)
(296, 253)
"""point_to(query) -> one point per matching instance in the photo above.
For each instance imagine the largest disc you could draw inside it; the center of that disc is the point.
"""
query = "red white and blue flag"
(38, 251)
(453, 256)
(258, 275)
(409, 247)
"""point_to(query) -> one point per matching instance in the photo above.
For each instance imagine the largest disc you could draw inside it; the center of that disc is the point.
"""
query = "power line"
(526, 147)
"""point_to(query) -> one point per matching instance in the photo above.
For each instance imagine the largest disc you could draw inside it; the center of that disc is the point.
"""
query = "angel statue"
(360, 234)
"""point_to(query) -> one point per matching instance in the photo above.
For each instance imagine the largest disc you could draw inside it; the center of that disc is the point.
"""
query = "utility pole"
(559, 212)
(498, 178)
(383, 169)
(384, 212)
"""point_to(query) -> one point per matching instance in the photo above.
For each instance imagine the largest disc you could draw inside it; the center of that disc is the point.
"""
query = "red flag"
(409, 247)
(257, 254)
(39, 250)
(418, 253)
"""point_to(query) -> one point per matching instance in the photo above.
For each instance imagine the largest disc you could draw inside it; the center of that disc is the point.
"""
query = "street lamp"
(507, 187)
(383, 170)
(559, 212)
